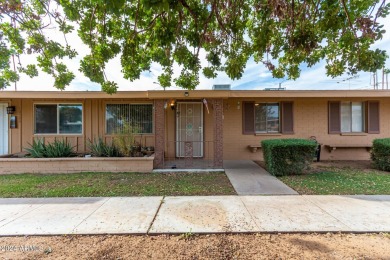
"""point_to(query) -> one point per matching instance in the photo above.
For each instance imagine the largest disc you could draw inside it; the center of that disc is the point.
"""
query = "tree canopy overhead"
(280, 34)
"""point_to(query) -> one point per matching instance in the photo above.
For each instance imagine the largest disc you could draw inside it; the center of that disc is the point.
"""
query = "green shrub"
(37, 149)
(380, 154)
(56, 149)
(124, 139)
(288, 156)
(99, 148)
(59, 149)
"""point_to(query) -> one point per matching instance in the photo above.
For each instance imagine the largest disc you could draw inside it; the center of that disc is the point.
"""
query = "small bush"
(59, 149)
(37, 149)
(56, 149)
(288, 156)
(100, 149)
(124, 139)
(380, 154)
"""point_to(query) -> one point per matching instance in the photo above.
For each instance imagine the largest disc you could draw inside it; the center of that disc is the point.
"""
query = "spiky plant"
(99, 148)
(59, 148)
(37, 149)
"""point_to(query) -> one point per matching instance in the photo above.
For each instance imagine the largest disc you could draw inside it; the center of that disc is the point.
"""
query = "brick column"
(218, 132)
(159, 133)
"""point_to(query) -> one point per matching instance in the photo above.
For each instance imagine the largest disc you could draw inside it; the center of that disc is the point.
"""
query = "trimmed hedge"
(380, 154)
(288, 156)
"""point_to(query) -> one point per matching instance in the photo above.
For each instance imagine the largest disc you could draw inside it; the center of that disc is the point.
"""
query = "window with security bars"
(137, 118)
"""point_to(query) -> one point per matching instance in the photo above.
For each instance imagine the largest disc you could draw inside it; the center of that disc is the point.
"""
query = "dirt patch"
(253, 246)
(211, 210)
(360, 165)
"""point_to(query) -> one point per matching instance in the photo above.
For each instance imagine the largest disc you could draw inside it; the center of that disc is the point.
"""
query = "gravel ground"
(188, 246)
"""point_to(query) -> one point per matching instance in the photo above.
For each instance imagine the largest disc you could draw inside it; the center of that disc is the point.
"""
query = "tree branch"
(378, 12)
(206, 24)
(184, 4)
(350, 23)
(349, 19)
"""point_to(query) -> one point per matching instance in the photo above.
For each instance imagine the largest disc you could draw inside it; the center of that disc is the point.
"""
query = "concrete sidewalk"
(211, 214)
(248, 178)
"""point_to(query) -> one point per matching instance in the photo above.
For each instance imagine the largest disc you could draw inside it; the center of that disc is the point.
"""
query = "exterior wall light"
(172, 105)
(10, 110)
(186, 94)
(238, 105)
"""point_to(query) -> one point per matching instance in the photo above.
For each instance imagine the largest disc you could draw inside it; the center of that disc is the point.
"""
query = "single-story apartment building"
(200, 125)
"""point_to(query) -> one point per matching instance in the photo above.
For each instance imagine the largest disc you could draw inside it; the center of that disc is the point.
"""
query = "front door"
(189, 129)
(3, 129)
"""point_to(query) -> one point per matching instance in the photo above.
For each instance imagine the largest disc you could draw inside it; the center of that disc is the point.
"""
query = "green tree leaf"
(280, 35)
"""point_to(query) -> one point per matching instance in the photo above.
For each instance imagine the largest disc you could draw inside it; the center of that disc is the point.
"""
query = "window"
(353, 117)
(268, 118)
(58, 119)
(138, 116)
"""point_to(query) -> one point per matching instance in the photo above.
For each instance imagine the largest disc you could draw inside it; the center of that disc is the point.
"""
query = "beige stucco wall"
(310, 119)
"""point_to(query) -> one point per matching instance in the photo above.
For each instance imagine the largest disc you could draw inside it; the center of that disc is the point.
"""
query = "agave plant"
(112, 151)
(59, 149)
(99, 148)
(37, 149)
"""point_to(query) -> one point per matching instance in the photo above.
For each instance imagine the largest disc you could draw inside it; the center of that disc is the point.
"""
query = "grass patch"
(344, 181)
(114, 184)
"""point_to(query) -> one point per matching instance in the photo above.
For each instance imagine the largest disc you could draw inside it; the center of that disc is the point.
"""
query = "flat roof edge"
(194, 94)
(72, 94)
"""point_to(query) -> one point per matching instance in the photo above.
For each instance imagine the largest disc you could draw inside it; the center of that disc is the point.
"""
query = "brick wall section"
(72, 165)
(218, 132)
(159, 132)
(310, 119)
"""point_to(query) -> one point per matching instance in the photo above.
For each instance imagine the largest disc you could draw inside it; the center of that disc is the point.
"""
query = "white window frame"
(58, 118)
(7, 129)
(279, 118)
(126, 103)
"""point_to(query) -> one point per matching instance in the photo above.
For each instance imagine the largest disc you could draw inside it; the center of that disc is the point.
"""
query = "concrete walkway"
(211, 214)
(248, 178)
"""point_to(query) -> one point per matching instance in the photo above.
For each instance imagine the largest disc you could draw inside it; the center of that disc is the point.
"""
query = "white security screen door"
(3, 129)
(189, 129)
